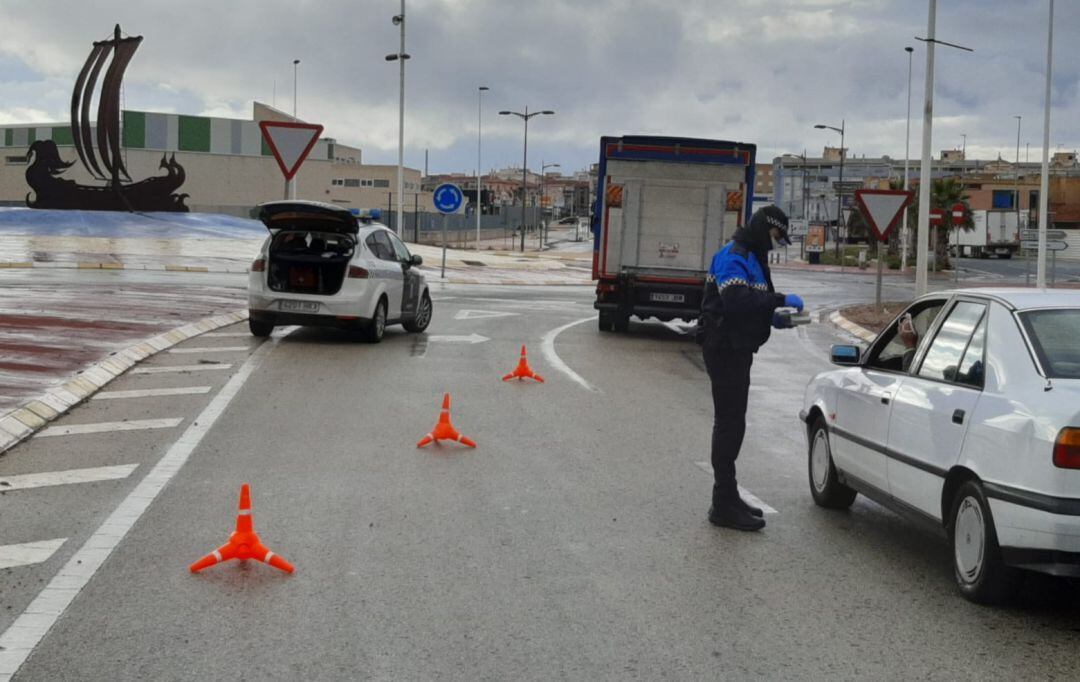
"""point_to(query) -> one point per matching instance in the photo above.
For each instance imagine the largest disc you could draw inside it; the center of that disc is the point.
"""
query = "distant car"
(963, 414)
(324, 266)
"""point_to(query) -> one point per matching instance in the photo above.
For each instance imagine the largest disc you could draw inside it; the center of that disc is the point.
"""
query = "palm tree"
(944, 194)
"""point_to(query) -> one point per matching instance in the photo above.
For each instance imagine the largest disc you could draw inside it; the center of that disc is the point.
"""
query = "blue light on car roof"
(366, 215)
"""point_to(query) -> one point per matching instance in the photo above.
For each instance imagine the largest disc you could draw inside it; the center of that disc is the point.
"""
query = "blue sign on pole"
(448, 198)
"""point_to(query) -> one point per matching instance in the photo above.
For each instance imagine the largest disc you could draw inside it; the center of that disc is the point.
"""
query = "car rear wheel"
(377, 327)
(423, 316)
(825, 486)
(980, 573)
(260, 328)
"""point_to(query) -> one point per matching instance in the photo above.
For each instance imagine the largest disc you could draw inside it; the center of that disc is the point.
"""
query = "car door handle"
(958, 417)
(885, 399)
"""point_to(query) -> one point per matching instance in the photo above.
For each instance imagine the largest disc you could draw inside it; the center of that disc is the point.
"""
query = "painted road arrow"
(450, 338)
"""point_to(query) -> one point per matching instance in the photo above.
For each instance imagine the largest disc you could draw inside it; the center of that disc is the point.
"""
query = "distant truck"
(996, 233)
(664, 206)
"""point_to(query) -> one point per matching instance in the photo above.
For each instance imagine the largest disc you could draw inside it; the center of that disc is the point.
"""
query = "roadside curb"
(75, 265)
(856, 330)
(19, 424)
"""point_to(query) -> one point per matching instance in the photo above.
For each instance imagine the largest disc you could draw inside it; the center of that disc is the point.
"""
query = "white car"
(324, 266)
(964, 414)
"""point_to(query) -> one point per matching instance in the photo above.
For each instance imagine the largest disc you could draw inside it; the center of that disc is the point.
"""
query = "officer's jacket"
(739, 298)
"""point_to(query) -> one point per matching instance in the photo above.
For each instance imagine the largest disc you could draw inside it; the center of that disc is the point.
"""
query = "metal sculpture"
(119, 193)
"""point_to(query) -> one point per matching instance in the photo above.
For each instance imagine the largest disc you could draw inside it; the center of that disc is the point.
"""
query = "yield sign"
(290, 143)
(882, 208)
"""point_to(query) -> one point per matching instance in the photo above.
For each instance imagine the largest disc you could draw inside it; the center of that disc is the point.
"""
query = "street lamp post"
(905, 235)
(525, 160)
(479, 167)
(1044, 181)
(1016, 176)
(840, 185)
(543, 195)
(400, 57)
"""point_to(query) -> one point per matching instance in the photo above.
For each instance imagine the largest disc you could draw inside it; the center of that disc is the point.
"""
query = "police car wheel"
(377, 327)
(423, 316)
(259, 328)
(825, 485)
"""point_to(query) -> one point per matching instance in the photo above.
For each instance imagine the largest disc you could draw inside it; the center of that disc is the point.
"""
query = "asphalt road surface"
(571, 544)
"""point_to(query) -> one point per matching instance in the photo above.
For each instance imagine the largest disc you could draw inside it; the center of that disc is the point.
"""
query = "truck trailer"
(664, 206)
(996, 233)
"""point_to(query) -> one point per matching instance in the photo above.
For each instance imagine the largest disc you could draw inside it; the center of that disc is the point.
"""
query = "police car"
(323, 265)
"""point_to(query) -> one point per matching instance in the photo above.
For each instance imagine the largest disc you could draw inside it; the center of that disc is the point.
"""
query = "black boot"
(751, 509)
(726, 511)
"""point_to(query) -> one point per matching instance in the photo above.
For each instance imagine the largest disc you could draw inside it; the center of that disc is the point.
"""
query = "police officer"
(738, 310)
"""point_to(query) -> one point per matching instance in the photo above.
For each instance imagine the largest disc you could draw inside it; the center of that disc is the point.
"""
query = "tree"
(944, 194)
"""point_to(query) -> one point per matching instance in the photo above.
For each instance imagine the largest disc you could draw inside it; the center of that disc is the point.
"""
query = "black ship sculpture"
(120, 192)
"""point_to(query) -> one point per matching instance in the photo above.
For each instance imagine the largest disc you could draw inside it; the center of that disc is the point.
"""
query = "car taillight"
(357, 272)
(1067, 449)
(258, 265)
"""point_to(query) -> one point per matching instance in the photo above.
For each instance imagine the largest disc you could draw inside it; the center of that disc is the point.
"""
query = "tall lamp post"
(905, 235)
(840, 184)
(400, 57)
(479, 168)
(525, 160)
(1016, 178)
(543, 195)
(1044, 181)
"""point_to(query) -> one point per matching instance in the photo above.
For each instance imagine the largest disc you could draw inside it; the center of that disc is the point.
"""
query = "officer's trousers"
(729, 372)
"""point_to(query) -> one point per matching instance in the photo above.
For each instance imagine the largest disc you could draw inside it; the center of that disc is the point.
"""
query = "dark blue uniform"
(736, 320)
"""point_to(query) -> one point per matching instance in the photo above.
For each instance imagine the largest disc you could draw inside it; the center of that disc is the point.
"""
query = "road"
(1017, 268)
(571, 544)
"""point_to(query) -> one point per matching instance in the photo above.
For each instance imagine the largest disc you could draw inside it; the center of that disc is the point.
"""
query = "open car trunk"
(309, 261)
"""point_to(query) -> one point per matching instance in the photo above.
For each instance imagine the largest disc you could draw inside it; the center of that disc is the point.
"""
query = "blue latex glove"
(794, 301)
(780, 321)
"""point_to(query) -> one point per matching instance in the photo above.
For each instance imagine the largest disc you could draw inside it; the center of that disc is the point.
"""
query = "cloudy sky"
(762, 71)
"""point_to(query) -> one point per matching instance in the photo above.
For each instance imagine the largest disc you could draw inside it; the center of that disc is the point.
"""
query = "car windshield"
(1055, 336)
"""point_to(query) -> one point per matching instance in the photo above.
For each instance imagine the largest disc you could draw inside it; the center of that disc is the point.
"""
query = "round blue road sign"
(447, 198)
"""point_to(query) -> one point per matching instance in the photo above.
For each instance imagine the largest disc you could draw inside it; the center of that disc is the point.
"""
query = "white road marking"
(743, 492)
(209, 349)
(67, 477)
(107, 427)
(182, 368)
(450, 338)
(226, 335)
(150, 392)
(482, 314)
(28, 553)
(678, 328)
(548, 348)
(34, 623)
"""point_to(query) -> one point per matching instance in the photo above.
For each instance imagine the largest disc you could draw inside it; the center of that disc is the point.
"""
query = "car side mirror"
(416, 260)
(845, 355)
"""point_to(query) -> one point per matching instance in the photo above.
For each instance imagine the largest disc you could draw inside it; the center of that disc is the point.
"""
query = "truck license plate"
(667, 298)
(300, 306)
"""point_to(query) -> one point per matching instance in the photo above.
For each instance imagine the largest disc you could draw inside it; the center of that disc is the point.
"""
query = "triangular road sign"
(481, 314)
(290, 143)
(882, 208)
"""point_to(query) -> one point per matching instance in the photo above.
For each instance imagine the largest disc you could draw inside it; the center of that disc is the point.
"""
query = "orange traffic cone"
(243, 543)
(523, 371)
(444, 430)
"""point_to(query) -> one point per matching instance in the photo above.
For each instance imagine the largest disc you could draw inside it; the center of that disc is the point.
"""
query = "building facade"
(229, 167)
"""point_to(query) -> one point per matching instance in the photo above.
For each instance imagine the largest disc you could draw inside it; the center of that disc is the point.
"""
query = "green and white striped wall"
(166, 132)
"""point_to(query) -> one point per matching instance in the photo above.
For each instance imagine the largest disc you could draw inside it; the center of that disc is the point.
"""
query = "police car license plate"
(299, 306)
(667, 298)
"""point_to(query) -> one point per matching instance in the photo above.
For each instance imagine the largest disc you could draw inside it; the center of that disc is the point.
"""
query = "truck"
(996, 233)
(664, 206)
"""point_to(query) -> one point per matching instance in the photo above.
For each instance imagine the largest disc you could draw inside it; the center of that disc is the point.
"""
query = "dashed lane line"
(209, 349)
(150, 392)
(108, 427)
(34, 623)
(548, 348)
(66, 477)
(28, 553)
(182, 368)
(743, 492)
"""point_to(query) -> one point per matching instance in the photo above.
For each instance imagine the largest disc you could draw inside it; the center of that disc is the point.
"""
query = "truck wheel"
(621, 324)
(1007, 256)
(605, 322)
